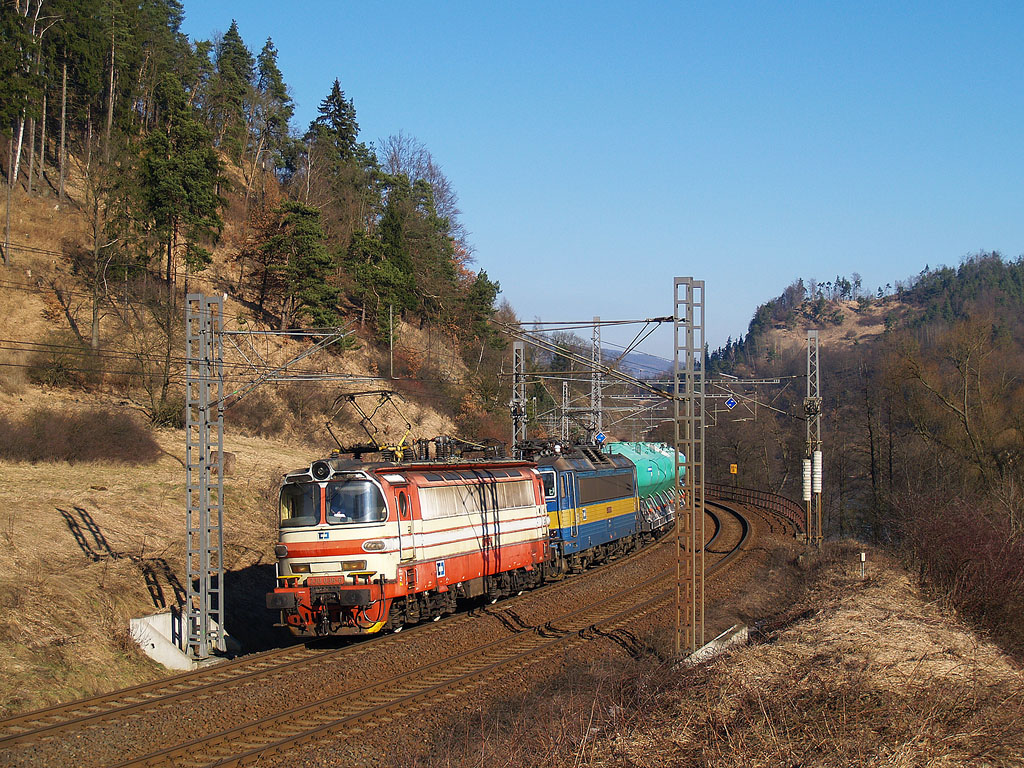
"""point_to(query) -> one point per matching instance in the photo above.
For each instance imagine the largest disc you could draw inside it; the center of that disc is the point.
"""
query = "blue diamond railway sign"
(731, 403)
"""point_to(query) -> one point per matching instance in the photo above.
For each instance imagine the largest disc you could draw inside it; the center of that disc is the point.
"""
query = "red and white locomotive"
(365, 547)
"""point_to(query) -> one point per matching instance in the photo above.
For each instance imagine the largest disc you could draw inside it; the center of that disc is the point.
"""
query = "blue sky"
(600, 149)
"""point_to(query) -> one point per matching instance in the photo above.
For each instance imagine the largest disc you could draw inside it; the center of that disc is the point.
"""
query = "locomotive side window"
(602, 487)
(403, 504)
(475, 499)
(549, 485)
(300, 505)
(355, 501)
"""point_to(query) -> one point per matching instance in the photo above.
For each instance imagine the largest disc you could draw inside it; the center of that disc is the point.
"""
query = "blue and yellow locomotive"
(604, 502)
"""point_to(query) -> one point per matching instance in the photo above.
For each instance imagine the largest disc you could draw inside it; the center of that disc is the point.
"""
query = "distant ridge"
(639, 364)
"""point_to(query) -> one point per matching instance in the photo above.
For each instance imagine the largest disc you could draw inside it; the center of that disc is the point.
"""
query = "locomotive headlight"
(300, 567)
(353, 565)
(373, 546)
(280, 551)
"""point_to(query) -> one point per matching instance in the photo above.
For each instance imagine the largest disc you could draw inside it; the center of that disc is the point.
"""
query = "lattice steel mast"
(813, 457)
(565, 412)
(518, 404)
(204, 474)
(595, 379)
(688, 407)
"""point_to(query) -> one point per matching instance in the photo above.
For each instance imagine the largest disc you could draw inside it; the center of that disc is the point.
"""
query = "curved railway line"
(245, 670)
(81, 732)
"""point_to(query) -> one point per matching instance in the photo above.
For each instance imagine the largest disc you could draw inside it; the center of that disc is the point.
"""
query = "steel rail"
(84, 711)
(275, 733)
(41, 723)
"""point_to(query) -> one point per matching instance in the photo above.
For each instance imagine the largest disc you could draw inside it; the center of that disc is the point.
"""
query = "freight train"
(366, 547)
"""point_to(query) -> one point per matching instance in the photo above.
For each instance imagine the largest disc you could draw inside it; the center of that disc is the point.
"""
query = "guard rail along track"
(782, 507)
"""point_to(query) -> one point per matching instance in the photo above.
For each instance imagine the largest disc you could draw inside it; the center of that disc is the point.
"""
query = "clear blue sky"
(601, 149)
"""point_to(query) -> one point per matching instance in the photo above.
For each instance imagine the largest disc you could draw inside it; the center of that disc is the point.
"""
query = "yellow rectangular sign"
(732, 469)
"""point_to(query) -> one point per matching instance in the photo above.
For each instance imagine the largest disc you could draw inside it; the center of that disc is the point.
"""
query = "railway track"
(776, 522)
(247, 670)
(345, 709)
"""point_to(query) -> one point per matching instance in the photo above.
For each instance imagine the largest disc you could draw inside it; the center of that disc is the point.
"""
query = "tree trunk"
(62, 160)
(241, 272)
(309, 169)
(139, 92)
(263, 289)
(95, 341)
(96, 273)
(42, 142)
(10, 186)
(31, 152)
(28, 70)
(872, 452)
(17, 147)
(88, 140)
(32, 123)
(252, 176)
(888, 419)
(110, 101)
(166, 373)
(286, 310)
(170, 251)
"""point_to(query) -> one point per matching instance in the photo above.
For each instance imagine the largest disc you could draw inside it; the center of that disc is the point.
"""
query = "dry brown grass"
(858, 326)
(877, 676)
(81, 541)
(855, 672)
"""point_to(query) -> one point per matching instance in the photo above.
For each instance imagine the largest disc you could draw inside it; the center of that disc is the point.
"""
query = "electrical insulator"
(816, 473)
(807, 479)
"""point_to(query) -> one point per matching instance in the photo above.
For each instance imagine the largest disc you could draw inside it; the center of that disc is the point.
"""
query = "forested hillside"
(922, 427)
(182, 169)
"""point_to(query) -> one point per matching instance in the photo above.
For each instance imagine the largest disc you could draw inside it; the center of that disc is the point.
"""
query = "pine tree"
(335, 128)
(272, 109)
(478, 308)
(297, 252)
(232, 91)
(15, 82)
(380, 286)
(158, 47)
(178, 179)
(81, 40)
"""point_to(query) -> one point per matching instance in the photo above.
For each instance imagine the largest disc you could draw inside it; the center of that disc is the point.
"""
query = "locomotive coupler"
(323, 624)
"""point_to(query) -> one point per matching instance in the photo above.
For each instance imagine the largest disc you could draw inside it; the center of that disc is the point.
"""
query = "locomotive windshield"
(300, 504)
(549, 484)
(355, 501)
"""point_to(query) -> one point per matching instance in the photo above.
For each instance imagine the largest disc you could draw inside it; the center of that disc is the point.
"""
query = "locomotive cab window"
(300, 505)
(549, 485)
(355, 501)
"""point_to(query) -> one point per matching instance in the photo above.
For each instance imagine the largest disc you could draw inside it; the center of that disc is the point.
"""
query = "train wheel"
(395, 621)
